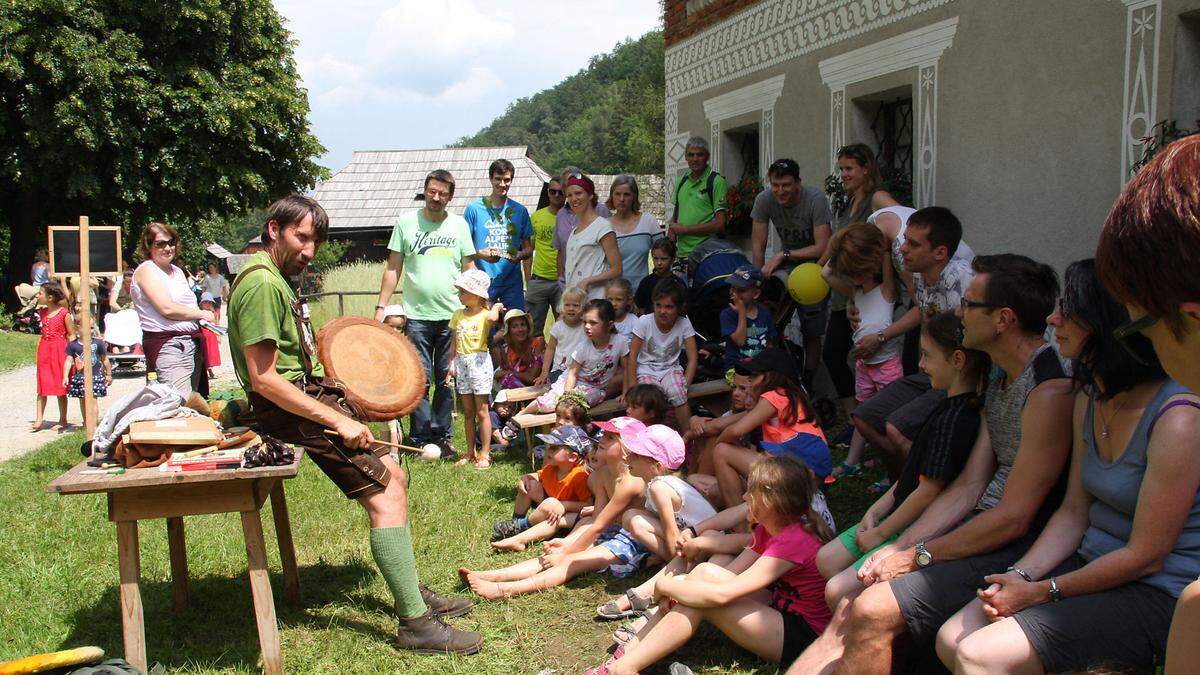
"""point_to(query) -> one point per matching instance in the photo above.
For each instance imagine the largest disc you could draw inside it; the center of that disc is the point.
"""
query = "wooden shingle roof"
(376, 187)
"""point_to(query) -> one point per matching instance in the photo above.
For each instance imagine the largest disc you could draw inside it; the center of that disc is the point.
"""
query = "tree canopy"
(129, 111)
(607, 118)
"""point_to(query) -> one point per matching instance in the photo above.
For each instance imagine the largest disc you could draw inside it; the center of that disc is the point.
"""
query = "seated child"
(647, 403)
(769, 600)
(559, 490)
(671, 504)
(783, 414)
(588, 548)
(860, 267)
(938, 455)
(620, 293)
(658, 340)
(593, 364)
(703, 433)
(662, 254)
(566, 335)
(518, 353)
(748, 327)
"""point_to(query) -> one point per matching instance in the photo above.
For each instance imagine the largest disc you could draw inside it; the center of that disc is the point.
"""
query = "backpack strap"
(243, 274)
(712, 199)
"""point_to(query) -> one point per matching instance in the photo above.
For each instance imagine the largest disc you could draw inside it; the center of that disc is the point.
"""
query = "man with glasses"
(1147, 258)
(543, 290)
(891, 419)
(502, 235)
(801, 215)
(428, 249)
(699, 198)
(988, 517)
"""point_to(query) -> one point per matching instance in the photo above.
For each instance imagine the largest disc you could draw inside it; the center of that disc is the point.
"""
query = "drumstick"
(331, 432)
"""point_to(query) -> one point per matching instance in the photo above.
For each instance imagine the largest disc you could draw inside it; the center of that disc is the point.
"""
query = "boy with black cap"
(747, 326)
(560, 490)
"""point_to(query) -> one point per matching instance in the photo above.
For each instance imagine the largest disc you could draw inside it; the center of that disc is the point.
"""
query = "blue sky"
(398, 74)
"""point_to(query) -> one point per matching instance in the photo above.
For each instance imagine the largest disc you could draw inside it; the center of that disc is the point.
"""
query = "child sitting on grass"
(671, 504)
(703, 433)
(658, 340)
(647, 403)
(938, 455)
(769, 600)
(784, 416)
(559, 490)
(566, 335)
(471, 364)
(860, 267)
(592, 547)
(620, 293)
(748, 327)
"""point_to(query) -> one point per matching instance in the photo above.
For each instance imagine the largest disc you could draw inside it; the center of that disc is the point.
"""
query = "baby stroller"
(123, 339)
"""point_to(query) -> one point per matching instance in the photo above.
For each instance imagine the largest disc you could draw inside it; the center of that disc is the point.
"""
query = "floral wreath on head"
(576, 397)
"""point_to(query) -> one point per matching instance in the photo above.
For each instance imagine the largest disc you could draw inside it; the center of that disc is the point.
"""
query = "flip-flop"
(483, 464)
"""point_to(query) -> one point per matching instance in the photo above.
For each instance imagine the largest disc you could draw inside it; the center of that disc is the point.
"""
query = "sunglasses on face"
(552, 191)
(165, 243)
(1125, 332)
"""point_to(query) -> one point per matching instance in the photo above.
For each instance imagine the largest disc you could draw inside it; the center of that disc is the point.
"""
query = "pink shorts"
(869, 378)
(673, 384)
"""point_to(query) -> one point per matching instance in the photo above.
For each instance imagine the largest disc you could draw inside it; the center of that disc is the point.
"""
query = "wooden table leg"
(179, 567)
(260, 589)
(287, 550)
(132, 624)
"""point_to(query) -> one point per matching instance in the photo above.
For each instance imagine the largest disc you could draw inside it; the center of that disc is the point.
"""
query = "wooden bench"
(610, 408)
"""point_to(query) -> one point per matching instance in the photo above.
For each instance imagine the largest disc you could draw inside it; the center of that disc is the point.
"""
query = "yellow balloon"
(806, 285)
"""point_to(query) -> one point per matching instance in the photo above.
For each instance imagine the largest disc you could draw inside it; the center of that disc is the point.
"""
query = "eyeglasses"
(165, 243)
(552, 191)
(1125, 332)
(966, 304)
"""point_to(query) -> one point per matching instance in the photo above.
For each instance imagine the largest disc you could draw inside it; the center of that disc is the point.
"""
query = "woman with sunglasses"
(169, 314)
(1099, 585)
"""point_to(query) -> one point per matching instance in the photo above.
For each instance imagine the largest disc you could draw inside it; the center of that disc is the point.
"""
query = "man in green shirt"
(699, 201)
(274, 354)
(428, 249)
(543, 290)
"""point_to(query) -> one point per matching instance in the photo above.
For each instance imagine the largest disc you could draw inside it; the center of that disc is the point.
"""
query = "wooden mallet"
(430, 451)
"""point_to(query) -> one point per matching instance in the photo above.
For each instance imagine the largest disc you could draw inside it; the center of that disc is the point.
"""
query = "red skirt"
(50, 356)
(212, 347)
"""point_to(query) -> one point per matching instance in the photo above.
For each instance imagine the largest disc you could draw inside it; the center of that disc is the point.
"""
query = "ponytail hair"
(786, 486)
(799, 408)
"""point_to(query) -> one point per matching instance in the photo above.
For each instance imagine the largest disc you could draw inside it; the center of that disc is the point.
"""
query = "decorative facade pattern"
(674, 165)
(766, 140)
(1143, 25)
(918, 49)
(714, 144)
(759, 98)
(774, 31)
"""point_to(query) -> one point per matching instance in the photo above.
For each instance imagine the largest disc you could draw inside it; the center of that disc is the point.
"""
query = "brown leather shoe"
(428, 634)
(447, 608)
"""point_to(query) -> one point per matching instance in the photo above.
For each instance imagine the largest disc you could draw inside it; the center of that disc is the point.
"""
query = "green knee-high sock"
(393, 552)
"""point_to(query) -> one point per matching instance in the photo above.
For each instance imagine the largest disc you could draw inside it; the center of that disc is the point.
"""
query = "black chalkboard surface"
(104, 255)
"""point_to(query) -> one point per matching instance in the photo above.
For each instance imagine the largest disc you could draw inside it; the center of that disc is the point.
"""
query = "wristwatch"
(881, 337)
(924, 557)
(787, 255)
(1055, 594)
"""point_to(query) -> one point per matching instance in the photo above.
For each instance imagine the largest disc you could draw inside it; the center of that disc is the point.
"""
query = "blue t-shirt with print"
(506, 229)
(759, 332)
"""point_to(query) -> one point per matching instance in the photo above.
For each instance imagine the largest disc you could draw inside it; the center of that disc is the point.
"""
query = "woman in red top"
(57, 330)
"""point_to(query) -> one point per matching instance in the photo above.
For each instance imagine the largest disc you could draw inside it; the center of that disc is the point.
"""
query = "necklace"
(1106, 422)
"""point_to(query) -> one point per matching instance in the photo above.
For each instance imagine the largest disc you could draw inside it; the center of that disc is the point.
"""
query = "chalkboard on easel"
(104, 255)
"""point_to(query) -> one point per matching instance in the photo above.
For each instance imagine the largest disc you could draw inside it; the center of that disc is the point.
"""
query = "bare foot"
(60, 426)
(36, 426)
(508, 545)
(487, 589)
(464, 573)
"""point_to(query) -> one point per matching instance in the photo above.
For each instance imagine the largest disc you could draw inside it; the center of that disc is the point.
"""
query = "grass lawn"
(17, 350)
(60, 590)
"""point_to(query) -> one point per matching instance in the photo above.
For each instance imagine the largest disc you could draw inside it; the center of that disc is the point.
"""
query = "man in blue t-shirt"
(747, 326)
(503, 236)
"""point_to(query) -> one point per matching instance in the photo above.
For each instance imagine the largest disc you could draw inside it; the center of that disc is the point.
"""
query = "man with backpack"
(700, 210)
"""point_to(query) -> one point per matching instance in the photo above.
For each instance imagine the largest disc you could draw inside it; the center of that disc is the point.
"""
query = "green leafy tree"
(607, 118)
(128, 111)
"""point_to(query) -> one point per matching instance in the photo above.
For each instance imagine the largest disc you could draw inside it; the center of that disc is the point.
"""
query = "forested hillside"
(607, 118)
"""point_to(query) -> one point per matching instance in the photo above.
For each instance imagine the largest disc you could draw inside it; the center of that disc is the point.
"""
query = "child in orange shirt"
(560, 490)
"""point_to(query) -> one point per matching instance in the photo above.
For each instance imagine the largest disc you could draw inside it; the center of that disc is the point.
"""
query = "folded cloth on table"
(152, 402)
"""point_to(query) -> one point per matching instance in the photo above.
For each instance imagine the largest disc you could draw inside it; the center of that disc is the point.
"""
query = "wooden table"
(143, 494)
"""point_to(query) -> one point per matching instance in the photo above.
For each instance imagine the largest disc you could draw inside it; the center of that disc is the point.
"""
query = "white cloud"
(477, 84)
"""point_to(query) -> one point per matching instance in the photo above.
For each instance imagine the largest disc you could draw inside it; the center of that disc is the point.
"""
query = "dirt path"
(18, 398)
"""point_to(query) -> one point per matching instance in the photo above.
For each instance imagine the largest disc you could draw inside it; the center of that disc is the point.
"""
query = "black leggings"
(836, 352)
